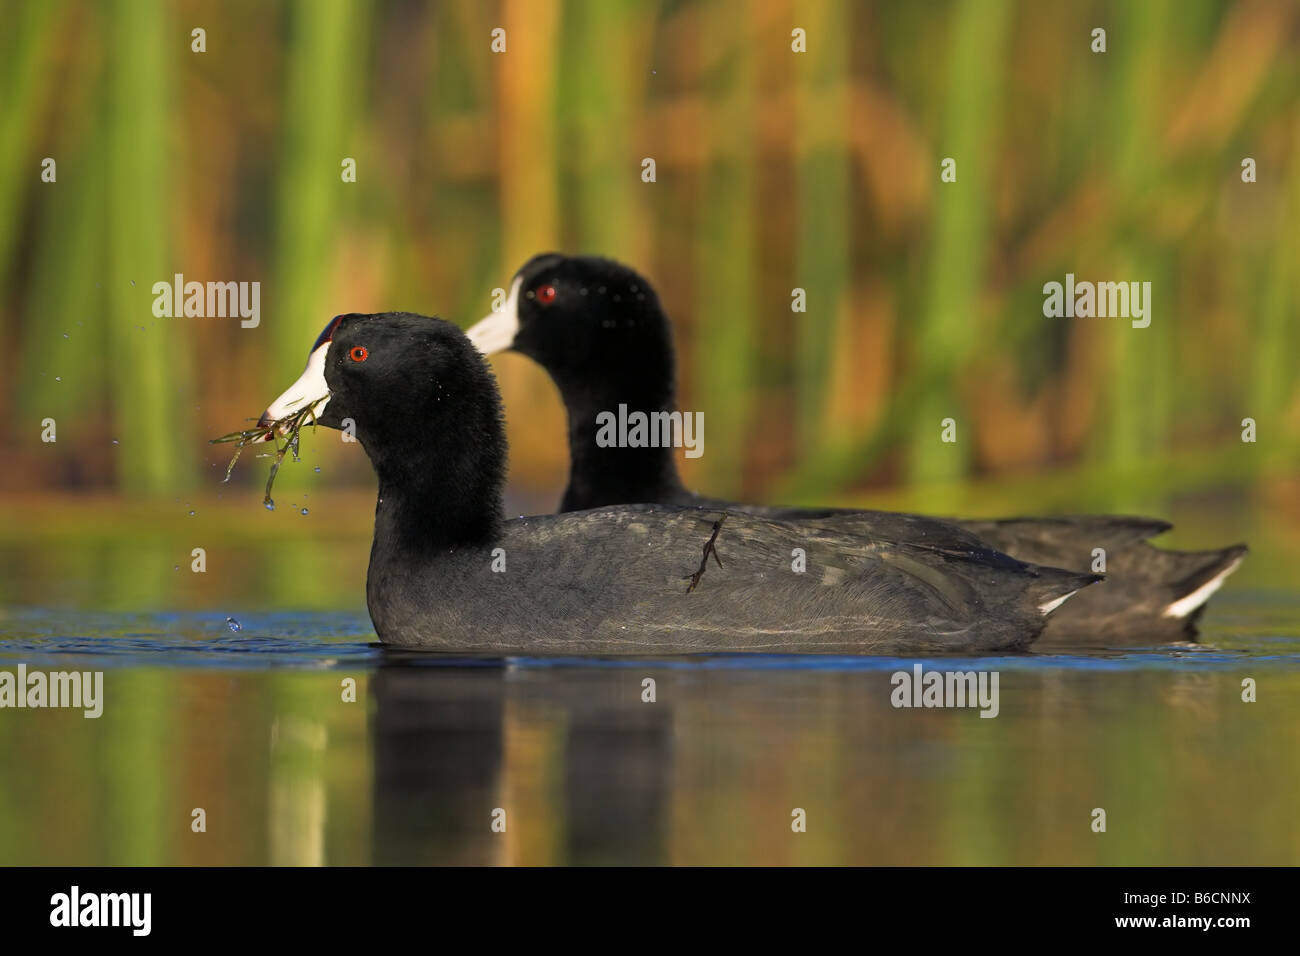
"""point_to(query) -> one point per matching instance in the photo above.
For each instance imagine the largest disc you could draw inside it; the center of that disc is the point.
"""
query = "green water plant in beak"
(286, 429)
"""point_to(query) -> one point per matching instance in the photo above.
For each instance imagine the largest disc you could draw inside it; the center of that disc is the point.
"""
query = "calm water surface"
(251, 725)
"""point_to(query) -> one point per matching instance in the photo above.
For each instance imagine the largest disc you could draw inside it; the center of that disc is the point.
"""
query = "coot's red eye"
(358, 353)
(546, 294)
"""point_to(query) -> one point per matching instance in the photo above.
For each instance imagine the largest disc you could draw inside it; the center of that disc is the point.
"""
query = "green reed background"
(775, 170)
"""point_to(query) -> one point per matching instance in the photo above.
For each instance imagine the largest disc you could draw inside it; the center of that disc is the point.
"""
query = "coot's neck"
(435, 497)
(600, 476)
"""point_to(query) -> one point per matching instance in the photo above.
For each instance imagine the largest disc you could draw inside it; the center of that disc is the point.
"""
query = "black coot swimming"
(448, 571)
(597, 327)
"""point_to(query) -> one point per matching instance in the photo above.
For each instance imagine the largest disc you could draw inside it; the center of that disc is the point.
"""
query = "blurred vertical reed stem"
(1140, 377)
(978, 35)
(150, 370)
(65, 376)
(723, 368)
(29, 31)
(603, 84)
(824, 207)
(1273, 385)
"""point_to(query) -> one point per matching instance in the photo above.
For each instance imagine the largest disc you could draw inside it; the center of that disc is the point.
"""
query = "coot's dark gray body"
(447, 572)
(597, 327)
(615, 581)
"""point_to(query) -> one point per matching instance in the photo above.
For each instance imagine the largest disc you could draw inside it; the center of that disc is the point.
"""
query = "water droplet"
(304, 510)
(270, 505)
(318, 469)
(58, 378)
(176, 567)
(65, 335)
(191, 514)
(114, 441)
(232, 624)
(133, 282)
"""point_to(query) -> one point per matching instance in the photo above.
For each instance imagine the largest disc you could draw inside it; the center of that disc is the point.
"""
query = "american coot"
(597, 327)
(447, 571)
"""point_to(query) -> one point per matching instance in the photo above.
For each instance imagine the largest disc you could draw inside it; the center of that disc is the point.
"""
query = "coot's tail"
(1052, 587)
(1149, 595)
(1196, 575)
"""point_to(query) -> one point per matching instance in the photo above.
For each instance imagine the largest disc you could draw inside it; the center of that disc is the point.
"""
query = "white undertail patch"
(1186, 605)
(1049, 606)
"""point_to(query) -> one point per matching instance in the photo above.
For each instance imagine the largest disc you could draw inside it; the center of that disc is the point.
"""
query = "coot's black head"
(579, 316)
(416, 393)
